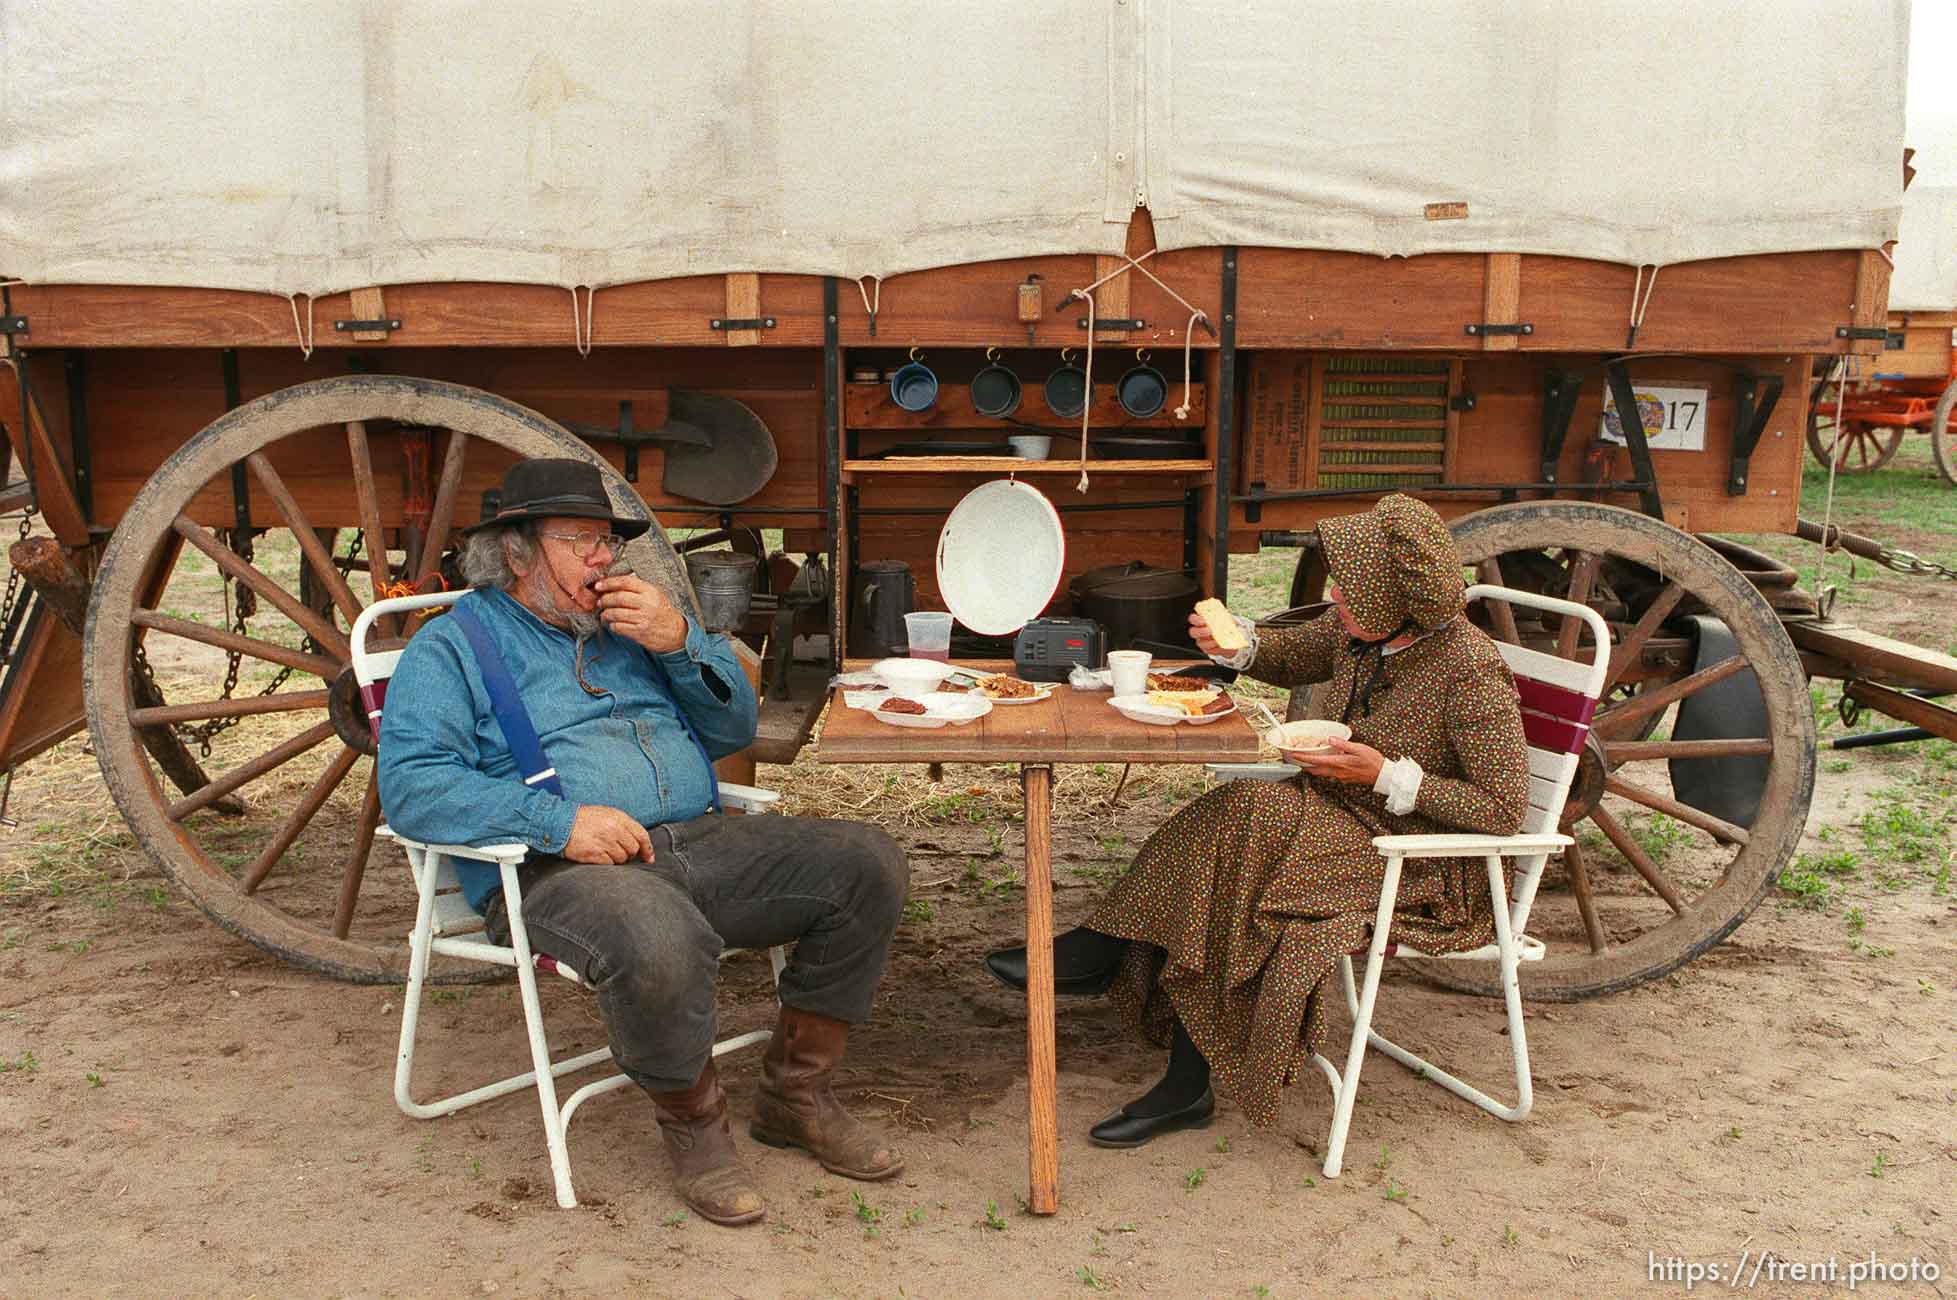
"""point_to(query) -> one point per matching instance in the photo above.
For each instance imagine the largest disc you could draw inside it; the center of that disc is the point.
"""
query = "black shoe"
(1124, 1131)
(1009, 966)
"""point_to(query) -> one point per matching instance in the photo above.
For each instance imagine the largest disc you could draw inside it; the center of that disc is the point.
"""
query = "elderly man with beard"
(634, 879)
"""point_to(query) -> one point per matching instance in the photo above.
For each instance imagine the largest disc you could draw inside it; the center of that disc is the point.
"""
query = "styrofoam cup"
(1031, 446)
(1129, 668)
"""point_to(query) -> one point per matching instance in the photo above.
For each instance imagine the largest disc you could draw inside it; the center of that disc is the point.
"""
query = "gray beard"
(543, 600)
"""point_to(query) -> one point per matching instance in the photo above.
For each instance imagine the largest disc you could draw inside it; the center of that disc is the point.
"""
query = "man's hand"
(1199, 632)
(1348, 761)
(638, 611)
(601, 834)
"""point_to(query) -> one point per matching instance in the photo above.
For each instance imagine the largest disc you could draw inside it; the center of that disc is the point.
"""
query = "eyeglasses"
(582, 544)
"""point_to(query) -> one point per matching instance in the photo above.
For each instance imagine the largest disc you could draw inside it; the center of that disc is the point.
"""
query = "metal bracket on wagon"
(1490, 327)
(1111, 323)
(742, 323)
(13, 325)
(1755, 399)
(1853, 332)
(362, 326)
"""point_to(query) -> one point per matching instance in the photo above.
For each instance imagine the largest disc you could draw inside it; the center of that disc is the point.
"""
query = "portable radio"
(1047, 649)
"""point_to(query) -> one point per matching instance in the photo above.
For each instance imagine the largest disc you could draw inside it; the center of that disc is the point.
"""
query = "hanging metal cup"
(913, 385)
(996, 391)
(1066, 388)
(1143, 391)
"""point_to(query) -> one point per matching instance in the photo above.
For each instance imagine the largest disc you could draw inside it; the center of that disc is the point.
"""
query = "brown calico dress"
(1243, 902)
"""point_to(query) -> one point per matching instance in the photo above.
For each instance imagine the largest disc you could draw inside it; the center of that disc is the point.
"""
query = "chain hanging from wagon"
(239, 609)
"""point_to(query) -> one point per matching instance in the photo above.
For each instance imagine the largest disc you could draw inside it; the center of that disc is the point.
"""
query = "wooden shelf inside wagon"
(1016, 465)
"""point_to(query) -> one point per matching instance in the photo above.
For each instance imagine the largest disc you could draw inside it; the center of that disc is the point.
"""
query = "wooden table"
(1071, 727)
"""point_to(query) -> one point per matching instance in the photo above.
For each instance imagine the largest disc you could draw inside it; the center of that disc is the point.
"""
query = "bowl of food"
(1307, 736)
(911, 677)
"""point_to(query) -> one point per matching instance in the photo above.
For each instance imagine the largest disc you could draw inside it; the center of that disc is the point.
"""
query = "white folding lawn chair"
(443, 919)
(1559, 697)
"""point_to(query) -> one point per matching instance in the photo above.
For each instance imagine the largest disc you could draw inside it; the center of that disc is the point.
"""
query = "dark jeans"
(648, 935)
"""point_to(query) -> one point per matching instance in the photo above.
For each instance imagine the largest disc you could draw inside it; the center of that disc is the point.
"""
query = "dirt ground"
(182, 1114)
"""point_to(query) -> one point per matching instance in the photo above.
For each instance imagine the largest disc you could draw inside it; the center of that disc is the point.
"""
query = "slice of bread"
(1223, 628)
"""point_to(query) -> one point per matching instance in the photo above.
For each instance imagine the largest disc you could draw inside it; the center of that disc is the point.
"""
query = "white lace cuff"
(1399, 781)
(1241, 659)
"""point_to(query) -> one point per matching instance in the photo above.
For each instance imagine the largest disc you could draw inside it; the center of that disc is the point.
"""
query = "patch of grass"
(1881, 1164)
(1807, 880)
(1395, 1192)
(673, 1220)
(1856, 920)
(25, 1063)
(913, 1216)
(94, 1079)
(1194, 1178)
(1085, 1275)
(1898, 833)
(918, 911)
(1510, 1237)
(867, 1214)
(1223, 1146)
(993, 1220)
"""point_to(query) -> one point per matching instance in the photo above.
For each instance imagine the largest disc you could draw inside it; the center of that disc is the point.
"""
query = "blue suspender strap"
(518, 731)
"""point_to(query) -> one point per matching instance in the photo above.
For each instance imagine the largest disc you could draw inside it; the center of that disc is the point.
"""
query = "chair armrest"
(747, 798)
(1252, 771)
(473, 852)
(1468, 846)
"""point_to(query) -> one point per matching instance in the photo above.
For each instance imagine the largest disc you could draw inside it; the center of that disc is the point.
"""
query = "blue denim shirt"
(447, 775)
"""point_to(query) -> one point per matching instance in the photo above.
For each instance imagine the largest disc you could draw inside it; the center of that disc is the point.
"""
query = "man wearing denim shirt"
(633, 881)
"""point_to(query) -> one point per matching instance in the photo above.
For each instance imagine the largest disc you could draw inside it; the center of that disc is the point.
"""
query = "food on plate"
(898, 704)
(950, 687)
(1223, 628)
(1220, 703)
(1170, 682)
(1308, 735)
(1185, 702)
(999, 686)
(870, 686)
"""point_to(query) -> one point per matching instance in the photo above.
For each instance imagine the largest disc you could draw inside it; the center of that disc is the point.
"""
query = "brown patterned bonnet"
(1395, 565)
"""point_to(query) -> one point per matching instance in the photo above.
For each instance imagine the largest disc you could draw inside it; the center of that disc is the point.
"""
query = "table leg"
(1042, 1120)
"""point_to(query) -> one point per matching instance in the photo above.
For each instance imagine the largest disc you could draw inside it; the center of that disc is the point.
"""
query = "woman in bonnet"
(1219, 940)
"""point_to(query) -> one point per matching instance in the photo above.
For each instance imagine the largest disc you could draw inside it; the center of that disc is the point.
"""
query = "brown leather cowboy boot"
(795, 1107)
(707, 1171)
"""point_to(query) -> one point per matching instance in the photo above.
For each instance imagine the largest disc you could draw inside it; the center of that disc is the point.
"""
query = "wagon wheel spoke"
(1586, 906)
(448, 490)
(242, 570)
(1503, 618)
(1583, 574)
(1639, 751)
(1640, 860)
(318, 665)
(1646, 703)
(1716, 827)
(1632, 644)
(356, 867)
(368, 498)
(318, 558)
(275, 757)
(301, 817)
(250, 706)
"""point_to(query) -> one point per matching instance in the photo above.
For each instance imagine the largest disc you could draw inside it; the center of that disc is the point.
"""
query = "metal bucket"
(724, 582)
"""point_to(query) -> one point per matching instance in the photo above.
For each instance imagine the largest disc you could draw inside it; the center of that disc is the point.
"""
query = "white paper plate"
(942, 708)
(1000, 556)
(1044, 691)
(1138, 708)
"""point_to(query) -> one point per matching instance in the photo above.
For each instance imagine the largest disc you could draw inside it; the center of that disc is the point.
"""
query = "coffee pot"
(885, 592)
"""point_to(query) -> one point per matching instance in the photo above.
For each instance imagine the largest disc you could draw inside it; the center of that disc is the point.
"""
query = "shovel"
(717, 449)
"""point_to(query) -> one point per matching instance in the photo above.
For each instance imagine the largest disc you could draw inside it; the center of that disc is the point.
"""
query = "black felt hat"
(556, 488)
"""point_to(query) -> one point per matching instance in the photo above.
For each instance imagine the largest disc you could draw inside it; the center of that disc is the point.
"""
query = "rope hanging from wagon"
(1196, 315)
(1640, 306)
(305, 332)
(581, 326)
(870, 304)
(1824, 597)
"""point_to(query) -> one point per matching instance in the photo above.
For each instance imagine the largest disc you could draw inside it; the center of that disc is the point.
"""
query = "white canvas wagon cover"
(318, 145)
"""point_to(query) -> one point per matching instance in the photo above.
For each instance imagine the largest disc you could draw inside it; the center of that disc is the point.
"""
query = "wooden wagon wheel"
(291, 874)
(1638, 897)
(1858, 447)
(1943, 434)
